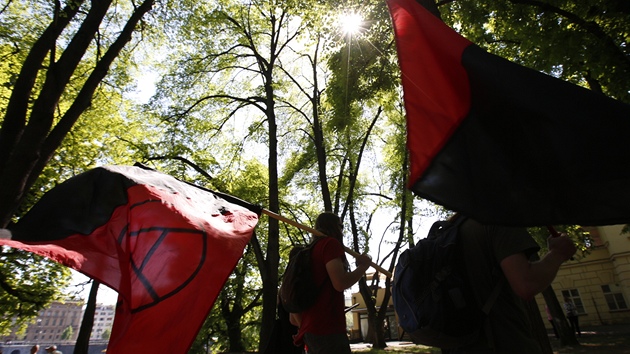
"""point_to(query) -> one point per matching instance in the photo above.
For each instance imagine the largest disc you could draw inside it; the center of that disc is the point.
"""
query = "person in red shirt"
(323, 326)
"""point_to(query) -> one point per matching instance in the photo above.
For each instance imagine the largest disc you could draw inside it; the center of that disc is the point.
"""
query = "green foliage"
(363, 66)
(107, 333)
(29, 284)
(584, 42)
(67, 333)
(100, 136)
(238, 307)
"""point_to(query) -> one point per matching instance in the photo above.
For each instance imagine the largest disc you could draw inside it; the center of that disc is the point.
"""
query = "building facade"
(59, 323)
(599, 283)
(103, 321)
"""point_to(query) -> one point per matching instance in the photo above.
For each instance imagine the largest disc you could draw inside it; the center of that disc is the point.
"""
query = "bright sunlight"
(350, 23)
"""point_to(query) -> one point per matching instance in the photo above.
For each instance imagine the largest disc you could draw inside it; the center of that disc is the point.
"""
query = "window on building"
(574, 296)
(614, 297)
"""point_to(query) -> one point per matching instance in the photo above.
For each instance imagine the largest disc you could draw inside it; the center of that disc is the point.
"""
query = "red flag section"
(502, 143)
(167, 247)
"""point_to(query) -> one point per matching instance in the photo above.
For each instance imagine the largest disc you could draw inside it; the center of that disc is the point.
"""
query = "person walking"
(572, 316)
(53, 350)
(322, 328)
(502, 255)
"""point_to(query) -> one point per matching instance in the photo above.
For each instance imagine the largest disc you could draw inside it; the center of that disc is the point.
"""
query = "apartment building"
(599, 283)
(103, 321)
(58, 323)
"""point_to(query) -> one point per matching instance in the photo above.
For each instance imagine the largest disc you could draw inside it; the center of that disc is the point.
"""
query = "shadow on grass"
(599, 340)
(401, 348)
(605, 339)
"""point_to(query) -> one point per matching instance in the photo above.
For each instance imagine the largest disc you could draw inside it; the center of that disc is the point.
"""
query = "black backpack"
(298, 290)
(432, 296)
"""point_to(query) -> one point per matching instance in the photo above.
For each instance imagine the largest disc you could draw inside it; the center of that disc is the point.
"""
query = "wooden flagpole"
(318, 233)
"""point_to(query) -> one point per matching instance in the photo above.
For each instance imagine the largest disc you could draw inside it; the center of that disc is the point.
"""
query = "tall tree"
(54, 59)
(46, 100)
(233, 75)
(362, 81)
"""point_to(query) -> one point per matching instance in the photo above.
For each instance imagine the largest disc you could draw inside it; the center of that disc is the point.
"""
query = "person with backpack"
(502, 256)
(322, 327)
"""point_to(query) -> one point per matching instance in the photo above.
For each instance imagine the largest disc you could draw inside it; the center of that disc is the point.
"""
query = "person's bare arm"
(295, 319)
(530, 278)
(340, 278)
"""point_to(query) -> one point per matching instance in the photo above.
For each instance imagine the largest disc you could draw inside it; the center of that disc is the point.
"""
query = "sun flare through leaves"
(350, 23)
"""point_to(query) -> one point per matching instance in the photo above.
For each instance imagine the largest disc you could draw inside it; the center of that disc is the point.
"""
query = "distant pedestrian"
(572, 316)
(53, 350)
(34, 349)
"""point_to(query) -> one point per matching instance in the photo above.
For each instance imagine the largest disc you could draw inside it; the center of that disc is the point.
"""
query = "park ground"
(611, 339)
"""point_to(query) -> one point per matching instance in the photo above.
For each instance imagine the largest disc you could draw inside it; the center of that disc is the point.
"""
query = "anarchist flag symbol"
(167, 247)
(148, 290)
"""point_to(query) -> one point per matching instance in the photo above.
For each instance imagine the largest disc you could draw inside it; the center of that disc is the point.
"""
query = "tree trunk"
(234, 334)
(318, 136)
(270, 287)
(83, 339)
(17, 107)
(375, 331)
(538, 329)
(567, 336)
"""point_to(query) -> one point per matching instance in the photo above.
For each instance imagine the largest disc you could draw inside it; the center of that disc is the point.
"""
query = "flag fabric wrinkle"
(502, 143)
(167, 248)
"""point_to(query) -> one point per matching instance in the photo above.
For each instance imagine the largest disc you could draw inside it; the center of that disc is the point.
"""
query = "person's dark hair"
(330, 225)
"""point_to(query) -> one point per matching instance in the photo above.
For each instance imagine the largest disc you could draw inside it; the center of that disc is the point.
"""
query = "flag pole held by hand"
(318, 233)
(555, 233)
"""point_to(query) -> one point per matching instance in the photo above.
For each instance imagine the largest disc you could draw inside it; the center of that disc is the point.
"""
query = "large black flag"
(502, 143)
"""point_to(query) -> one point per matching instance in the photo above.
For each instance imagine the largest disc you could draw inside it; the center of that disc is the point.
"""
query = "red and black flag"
(167, 248)
(502, 143)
